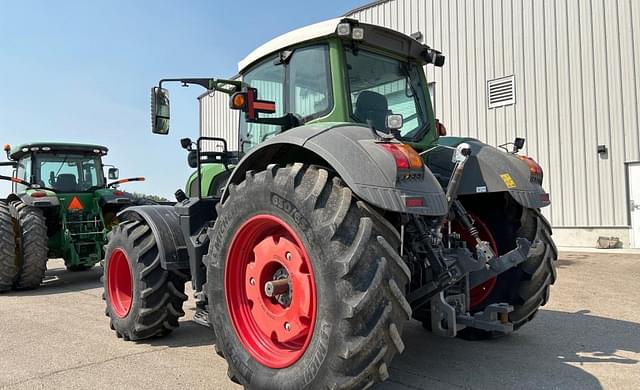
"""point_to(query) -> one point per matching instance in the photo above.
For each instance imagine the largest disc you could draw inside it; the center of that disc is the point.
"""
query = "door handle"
(634, 206)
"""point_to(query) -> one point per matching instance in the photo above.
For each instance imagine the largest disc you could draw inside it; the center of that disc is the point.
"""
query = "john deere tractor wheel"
(527, 286)
(305, 284)
(142, 299)
(32, 245)
(8, 258)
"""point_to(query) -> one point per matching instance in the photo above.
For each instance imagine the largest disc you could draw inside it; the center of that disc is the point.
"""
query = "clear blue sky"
(81, 71)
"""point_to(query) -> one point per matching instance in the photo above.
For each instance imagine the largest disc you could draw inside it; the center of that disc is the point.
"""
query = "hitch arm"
(498, 265)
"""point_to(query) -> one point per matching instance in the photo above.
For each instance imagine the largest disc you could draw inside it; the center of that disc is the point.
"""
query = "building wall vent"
(501, 92)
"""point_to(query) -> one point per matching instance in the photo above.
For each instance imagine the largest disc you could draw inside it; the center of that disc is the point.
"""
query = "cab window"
(23, 172)
(310, 82)
(381, 85)
(69, 172)
(300, 85)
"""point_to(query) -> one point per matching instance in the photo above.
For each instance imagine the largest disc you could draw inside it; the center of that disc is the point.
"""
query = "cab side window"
(310, 82)
(300, 85)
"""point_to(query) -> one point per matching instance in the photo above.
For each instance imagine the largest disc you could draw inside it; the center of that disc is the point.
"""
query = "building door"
(634, 203)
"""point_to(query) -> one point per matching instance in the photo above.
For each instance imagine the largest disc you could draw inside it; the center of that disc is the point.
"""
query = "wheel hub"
(270, 291)
(119, 283)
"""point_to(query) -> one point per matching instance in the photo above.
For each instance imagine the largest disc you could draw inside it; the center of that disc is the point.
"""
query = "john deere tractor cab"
(61, 206)
(340, 215)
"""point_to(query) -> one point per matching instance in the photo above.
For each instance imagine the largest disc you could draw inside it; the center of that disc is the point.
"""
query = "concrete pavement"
(587, 337)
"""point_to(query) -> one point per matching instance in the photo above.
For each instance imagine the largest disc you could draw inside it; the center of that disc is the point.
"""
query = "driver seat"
(374, 107)
(66, 182)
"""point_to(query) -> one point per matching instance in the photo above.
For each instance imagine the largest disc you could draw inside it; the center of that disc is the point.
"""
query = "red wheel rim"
(275, 333)
(119, 283)
(481, 292)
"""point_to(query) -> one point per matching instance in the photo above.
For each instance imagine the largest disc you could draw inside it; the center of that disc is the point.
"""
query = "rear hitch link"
(449, 313)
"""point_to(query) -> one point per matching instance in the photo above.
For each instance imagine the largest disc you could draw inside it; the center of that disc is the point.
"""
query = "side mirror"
(192, 159)
(160, 111)
(113, 173)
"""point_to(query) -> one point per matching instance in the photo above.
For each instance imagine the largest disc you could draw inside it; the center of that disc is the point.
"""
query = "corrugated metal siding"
(217, 120)
(577, 70)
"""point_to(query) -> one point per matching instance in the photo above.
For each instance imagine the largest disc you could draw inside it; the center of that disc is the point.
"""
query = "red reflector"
(402, 162)
(414, 202)
(75, 204)
(118, 193)
(544, 197)
(38, 194)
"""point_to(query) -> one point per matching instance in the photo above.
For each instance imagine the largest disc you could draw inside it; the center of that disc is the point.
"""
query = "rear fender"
(488, 170)
(164, 223)
(352, 152)
(50, 200)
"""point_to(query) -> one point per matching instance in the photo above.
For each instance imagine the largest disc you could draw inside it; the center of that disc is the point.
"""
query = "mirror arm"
(226, 86)
(287, 121)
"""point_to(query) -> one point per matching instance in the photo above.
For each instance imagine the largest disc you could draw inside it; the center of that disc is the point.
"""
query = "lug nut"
(252, 281)
(287, 326)
(289, 256)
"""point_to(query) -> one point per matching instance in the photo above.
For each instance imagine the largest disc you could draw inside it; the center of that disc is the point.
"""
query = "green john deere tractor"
(339, 215)
(60, 207)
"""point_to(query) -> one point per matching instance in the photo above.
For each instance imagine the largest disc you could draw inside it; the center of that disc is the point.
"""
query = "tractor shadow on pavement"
(189, 334)
(59, 280)
(547, 353)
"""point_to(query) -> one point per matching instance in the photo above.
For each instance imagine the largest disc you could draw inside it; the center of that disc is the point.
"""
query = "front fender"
(353, 153)
(489, 169)
(165, 225)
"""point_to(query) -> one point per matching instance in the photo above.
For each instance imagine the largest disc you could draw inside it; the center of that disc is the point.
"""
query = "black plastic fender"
(488, 169)
(164, 223)
(356, 156)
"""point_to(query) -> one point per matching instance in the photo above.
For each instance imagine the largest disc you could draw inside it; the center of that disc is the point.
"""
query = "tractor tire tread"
(8, 256)
(33, 245)
(161, 292)
(372, 277)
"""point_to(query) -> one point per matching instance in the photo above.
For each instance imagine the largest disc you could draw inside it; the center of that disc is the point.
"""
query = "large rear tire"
(527, 286)
(8, 256)
(32, 245)
(143, 300)
(347, 282)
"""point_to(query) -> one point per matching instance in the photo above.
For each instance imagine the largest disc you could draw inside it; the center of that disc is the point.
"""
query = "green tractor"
(60, 207)
(340, 215)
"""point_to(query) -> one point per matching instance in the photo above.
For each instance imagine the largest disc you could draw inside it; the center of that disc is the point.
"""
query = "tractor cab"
(334, 73)
(342, 71)
(68, 169)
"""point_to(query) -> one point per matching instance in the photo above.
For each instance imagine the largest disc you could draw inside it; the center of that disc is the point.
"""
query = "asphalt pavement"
(587, 337)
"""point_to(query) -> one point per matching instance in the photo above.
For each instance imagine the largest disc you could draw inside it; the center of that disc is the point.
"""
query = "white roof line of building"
(366, 6)
(307, 33)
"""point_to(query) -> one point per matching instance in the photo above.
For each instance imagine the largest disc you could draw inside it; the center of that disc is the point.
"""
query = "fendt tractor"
(60, 207)
(340, 215)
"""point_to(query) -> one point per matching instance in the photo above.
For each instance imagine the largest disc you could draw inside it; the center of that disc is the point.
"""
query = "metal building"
(564, 74)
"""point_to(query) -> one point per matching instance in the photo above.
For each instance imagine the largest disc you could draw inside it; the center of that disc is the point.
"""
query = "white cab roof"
(307, 33)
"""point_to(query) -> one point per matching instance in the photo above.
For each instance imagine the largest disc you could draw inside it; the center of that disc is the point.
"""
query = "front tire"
(143, 300)
(8, 257)
(32, 245)
(302, 224)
